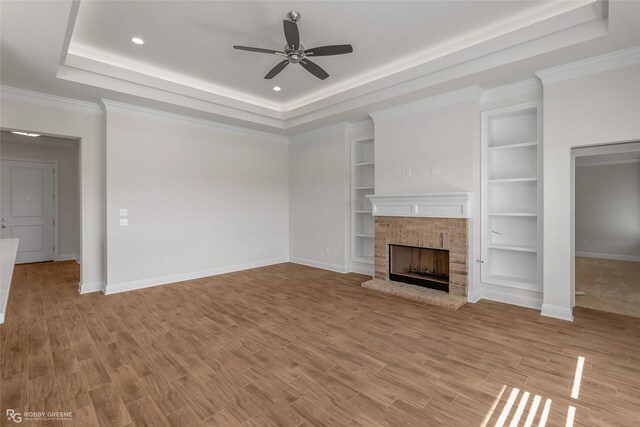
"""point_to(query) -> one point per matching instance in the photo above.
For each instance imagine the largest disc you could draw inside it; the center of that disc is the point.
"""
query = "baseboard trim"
(362, 269)
(115, 288)
(474, 297)
(319, 264)
(68, 257)
(614, 257)
(86, 288)
(562, 313)
(519, 297)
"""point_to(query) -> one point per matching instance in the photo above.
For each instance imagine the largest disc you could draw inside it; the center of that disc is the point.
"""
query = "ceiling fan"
(295, 53)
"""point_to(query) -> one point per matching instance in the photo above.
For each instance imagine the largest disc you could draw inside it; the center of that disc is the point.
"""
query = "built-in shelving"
(362, 185)
(511, 197)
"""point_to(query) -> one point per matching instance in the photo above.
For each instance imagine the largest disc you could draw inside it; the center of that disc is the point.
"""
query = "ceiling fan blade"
(314, 69)
(276, 70)
(256, 49)
(292, 34)
(337, 49)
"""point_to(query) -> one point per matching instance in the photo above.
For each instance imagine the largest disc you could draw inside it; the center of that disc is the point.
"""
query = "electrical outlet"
(326, 250)
(435, 170)
(124, 212)
(124, 222)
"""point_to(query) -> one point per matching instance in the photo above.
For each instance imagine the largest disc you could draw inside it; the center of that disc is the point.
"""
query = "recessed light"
(33, 135)
(277, 88)
(137, 40)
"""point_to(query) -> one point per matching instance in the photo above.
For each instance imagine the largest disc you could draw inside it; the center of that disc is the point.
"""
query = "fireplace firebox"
(426, 267)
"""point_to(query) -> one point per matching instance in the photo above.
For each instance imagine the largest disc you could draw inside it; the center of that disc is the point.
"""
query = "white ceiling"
(402, 51)
(193, 43)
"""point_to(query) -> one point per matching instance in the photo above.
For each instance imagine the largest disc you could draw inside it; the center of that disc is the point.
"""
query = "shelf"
(500, 180)
(512, 247)
(363, 164)
(366, 236)
(364, 212)
(512, 214)
(363, 188)
(510, 146)
(513, 281)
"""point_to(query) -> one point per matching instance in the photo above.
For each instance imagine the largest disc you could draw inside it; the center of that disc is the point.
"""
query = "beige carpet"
(612, 286)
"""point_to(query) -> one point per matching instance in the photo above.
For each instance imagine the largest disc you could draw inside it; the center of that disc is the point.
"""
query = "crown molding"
(585, 67)
(115, 106)
(525, 87)
(450, 98)
(44, 99)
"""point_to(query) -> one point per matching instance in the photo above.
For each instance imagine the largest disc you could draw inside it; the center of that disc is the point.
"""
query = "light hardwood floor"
(292, 345)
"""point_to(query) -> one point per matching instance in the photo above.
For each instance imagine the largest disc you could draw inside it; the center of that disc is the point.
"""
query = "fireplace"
(428, 267)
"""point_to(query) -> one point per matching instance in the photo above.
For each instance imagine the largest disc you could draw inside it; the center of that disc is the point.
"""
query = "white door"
(26, 205)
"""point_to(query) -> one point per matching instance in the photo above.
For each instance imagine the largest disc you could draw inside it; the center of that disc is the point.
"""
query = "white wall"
(45, 115)
(607, 211)
(66, 153)
(319, 198)
(201, 199)
(445, 137)
(589, 110)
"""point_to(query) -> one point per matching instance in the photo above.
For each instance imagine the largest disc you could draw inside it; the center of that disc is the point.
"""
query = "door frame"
(631, 146)
(56, 222)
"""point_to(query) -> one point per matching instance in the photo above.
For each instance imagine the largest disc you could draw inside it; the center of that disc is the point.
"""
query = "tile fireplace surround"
(437, 221)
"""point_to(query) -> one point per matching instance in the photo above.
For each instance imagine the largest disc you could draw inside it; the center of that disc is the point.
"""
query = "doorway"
(40, 195)
(27, 208)
(607, 228)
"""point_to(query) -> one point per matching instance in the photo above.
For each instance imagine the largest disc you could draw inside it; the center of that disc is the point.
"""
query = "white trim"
(507, 295)
(562, 313)
(113, 288)
(596, 64)
(433, 205)
(615, 257)
(521, 88)
(46, 100)
(68, 257)
(474, 297)
(114, 106)
(450, 98)
(91, 287)
(607, 162)
(319, 264)
(362, 268)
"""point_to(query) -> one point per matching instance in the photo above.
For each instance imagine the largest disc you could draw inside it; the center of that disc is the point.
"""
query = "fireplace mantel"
(431, 205)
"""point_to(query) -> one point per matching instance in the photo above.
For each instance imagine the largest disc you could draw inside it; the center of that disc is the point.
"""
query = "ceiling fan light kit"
(295, 53)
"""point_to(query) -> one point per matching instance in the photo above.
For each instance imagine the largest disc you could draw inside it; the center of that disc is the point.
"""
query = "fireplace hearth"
(428, 267)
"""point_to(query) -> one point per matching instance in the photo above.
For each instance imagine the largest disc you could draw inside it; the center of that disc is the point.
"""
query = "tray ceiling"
(403, 50)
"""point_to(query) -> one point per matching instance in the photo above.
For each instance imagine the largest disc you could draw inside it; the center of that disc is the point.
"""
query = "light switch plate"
(124, 212)
(124, 222)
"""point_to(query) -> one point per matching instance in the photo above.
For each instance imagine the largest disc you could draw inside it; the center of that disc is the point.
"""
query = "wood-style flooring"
(289, 345)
